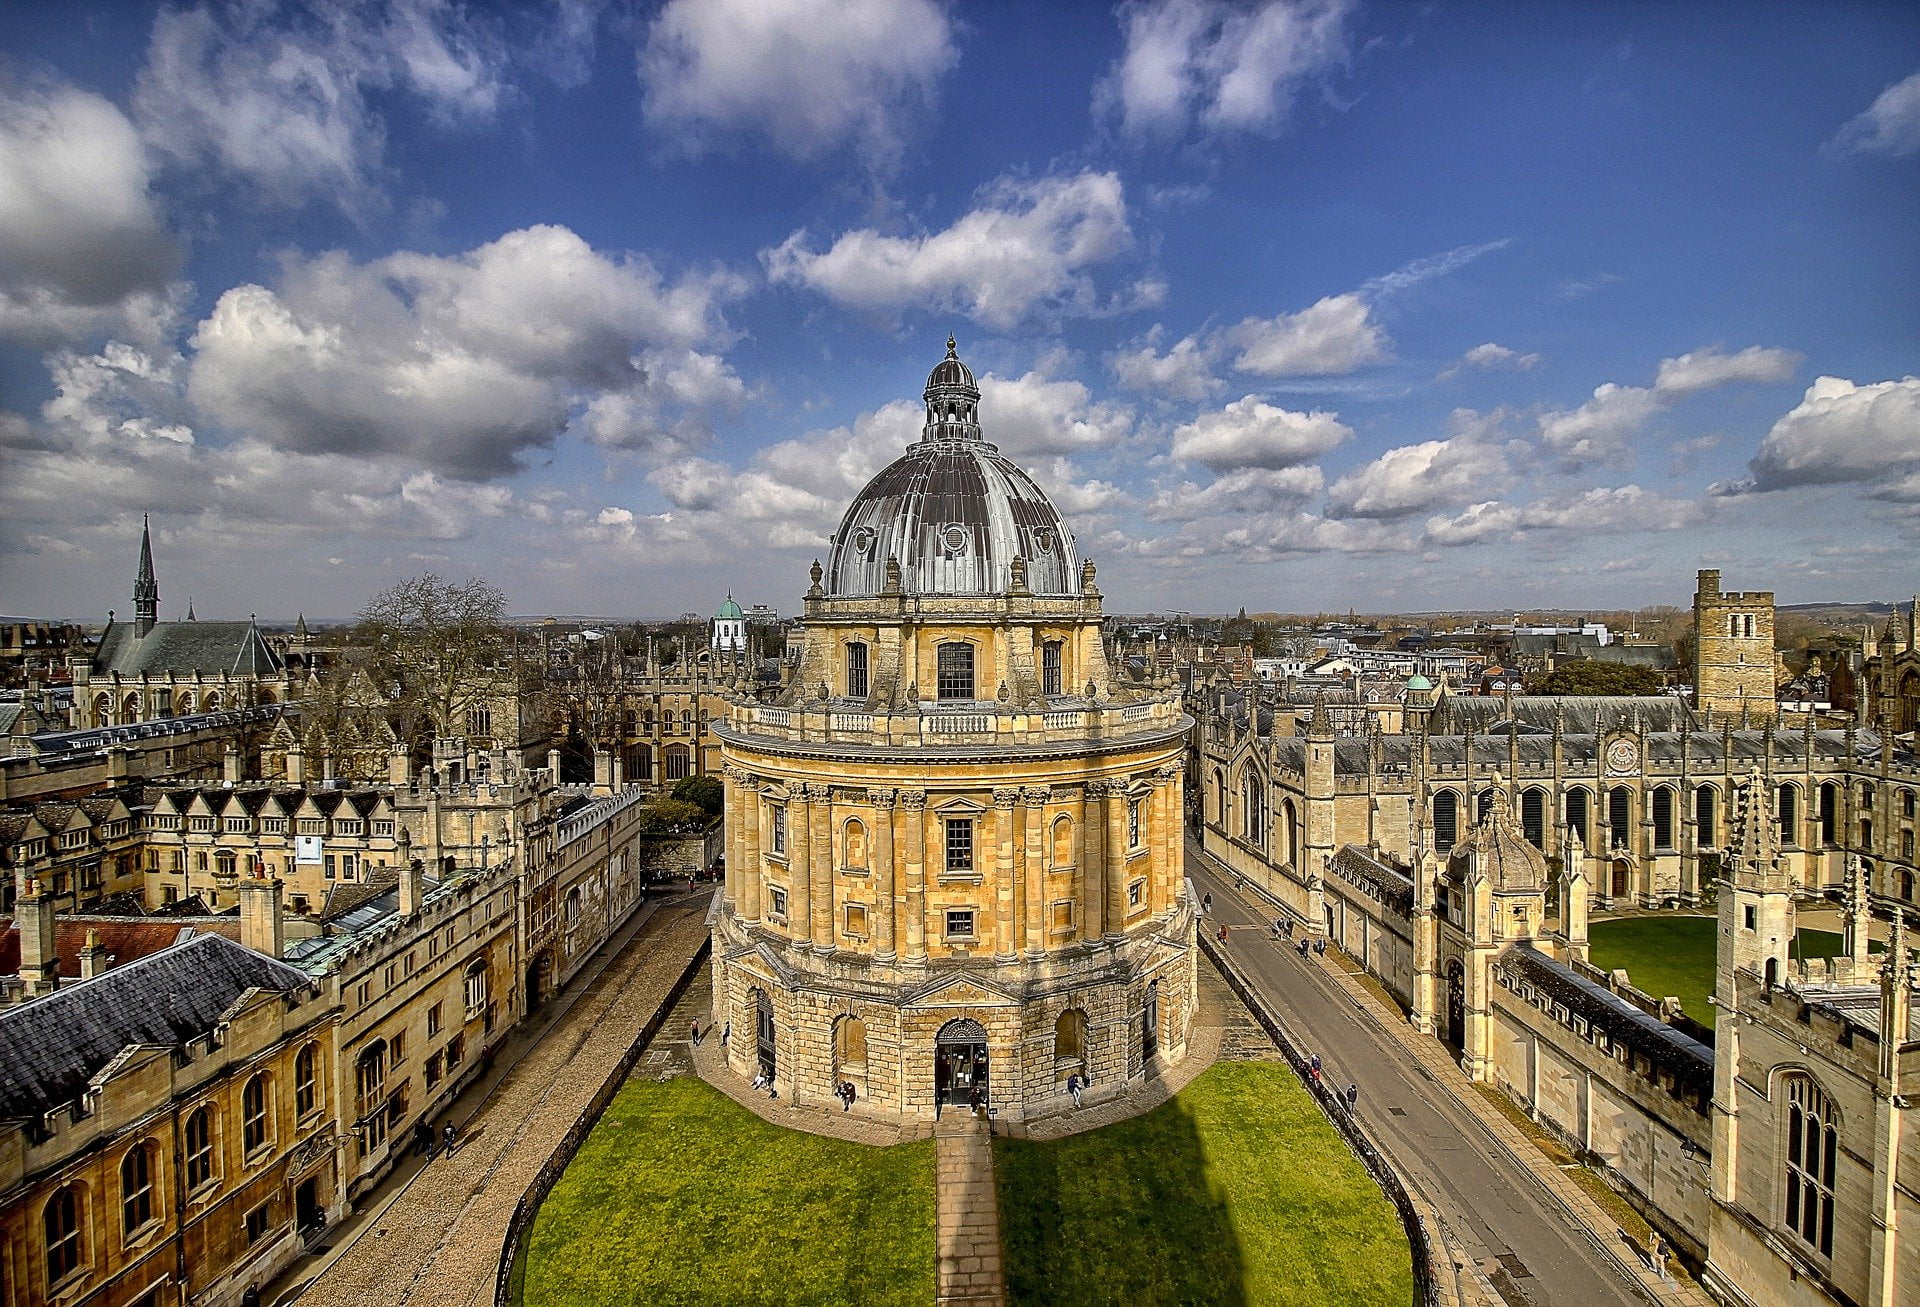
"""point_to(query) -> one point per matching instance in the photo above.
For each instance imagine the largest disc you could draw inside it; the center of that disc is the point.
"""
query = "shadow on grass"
(1133, 1217)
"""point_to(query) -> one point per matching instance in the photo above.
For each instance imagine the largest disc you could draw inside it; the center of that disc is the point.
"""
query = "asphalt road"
(1498, 1213)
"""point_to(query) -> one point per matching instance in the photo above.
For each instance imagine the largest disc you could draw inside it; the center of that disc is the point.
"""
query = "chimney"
(93, 958)
(39, 957)
(230, 764)
(296, 765)
(413, 881)
(260, 928)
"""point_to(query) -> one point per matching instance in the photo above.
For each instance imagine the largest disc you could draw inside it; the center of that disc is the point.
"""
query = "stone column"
(914, 804)
(821, 868)
(752, 873)
(1167, 819)
(1090, 877)
(1037, 860)
(1118, 847)
(1004, 899)
(885, 881)
(799, 863)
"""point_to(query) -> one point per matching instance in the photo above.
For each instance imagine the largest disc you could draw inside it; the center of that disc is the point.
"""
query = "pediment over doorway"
(960, 991)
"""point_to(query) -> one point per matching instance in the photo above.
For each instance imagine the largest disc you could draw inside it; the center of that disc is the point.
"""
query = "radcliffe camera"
(890, 653)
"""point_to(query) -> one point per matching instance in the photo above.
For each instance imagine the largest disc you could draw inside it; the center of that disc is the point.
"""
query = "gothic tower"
(1733, 658)
(146, 590)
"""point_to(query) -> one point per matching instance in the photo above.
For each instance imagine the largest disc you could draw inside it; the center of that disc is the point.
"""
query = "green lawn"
(1237, 1191)
(1675, 955)
(680, 1195)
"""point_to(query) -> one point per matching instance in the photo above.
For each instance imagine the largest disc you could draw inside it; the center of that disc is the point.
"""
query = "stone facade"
(954, 836)
(1733, 658)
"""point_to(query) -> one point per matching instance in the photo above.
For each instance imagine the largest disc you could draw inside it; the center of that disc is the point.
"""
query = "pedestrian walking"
(446, 1139)
(1223, 934)
(1320, 947)
(974, 1100)
(1276, 929)
(1353, 1096)
(1206, 903)
(694, 1030)
(1303, 948)
(1073, 1088)
(760, 1082)
(726, 1033)
(423, 1139)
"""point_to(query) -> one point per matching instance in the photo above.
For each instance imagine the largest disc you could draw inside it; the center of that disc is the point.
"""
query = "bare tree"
(435, 649)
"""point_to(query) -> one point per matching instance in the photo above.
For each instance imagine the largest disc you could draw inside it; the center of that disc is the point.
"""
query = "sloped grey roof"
(52, 1046)
(1578, 752)
(1686, 1058)
(183, 648)
(1583, 713)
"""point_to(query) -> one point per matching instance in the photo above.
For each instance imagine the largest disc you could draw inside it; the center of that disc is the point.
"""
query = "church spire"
(146, 591)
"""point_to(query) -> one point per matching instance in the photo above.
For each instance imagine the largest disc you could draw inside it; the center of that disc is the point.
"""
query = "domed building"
(954, 837)
(729, 628)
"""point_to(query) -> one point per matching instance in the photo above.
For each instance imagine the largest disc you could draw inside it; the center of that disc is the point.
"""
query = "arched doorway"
(763, 1034)
(1456, 1006)
(959, 1062)
(1622, 883)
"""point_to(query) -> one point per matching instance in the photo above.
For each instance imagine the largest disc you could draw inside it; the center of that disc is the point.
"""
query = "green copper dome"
(728, 610)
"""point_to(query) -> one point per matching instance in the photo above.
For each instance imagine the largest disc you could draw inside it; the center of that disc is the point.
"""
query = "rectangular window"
(959, 923)
(1749, 918)
(959, 844)
(259, 1220)
(1050, 667)
(856, 671)
(777, 901)
(955, 671)
(454, 1051)
(433, 1020)
(1137, 893)
(1062, 915)
(777, 828)
(1133, 824)
(857, 920)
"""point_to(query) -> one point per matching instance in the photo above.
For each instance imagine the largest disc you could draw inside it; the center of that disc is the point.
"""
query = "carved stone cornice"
(1036, 795)
(881, 798)
(913, 800)
(1006, 799)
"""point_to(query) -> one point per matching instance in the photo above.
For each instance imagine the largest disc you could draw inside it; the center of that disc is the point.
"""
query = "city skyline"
(1301, 306)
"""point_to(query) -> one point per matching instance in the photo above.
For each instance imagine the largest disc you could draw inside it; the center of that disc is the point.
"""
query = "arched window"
(1704, 819)
(1533, 816)
(1906, 886)
(1663, 818)
(1788, 812)
(1062, 842)
(1070, 1041)
(62, 1223)
(1289, 833)
(1446, 820)
(1482, 806)
(1829, 813)
(1620, 815)
(102, 710)
(136, 1187)
(954, 671)
(856, 670)
(1253, 807)
(1810, 1151)
(1050, 667)
(679, 762)
(1577, 812)
(854, 843)
(256, 1126)
(850, 1046)
(199, 1147)
(570, 909)
(1220, 796)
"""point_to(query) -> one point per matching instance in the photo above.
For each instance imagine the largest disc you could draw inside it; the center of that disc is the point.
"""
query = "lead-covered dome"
(953, 511)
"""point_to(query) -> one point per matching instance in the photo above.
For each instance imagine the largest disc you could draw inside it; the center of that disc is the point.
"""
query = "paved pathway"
(1524, 1228)
(432, 1238)
(967, 1221)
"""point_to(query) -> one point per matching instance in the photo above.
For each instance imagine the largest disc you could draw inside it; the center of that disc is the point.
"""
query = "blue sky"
(1295, 306)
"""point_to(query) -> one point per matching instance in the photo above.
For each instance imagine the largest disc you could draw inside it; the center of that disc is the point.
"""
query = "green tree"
(705, 792)
(1591, 676)
(672, 815)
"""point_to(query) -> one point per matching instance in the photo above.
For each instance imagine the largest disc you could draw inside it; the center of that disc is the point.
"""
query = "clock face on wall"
(1622, 756)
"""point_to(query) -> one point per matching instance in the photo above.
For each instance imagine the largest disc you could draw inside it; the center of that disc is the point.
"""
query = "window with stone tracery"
(1812, 1144)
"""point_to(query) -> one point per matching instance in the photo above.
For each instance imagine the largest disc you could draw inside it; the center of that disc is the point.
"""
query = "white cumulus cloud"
(1183, 372)
(1025, 247)
(1417, 478)
(462, 362)
(1337, 334)
(1213, 67)
(82, 244)
(1252, 433)
(284, 96)
(1491, 356)
(809, 76)
(1602, 430)
(1889, 126)
(1839, 433)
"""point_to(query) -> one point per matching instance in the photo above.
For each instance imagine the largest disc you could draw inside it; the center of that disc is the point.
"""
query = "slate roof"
(1579, 753)
(51, 1047)
(1584, 713)
(183, 648)
(342, 899)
